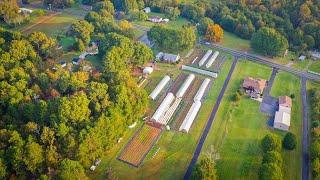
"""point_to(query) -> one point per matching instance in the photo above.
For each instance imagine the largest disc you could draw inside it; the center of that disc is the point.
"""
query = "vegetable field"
(139, 146)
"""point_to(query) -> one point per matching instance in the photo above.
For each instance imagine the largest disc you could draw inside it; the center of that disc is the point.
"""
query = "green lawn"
(54, 25)
(315, 67)
(175, 149)
(287, 84)
(66, 42)
(237, 130)
(232, 41)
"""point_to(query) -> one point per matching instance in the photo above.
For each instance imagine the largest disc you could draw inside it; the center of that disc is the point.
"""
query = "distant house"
(254, 87)
(62, 64)
(315, 55)
(147, 10)
(76, 61)
(166, 57)
(283, 115)
(302, 58)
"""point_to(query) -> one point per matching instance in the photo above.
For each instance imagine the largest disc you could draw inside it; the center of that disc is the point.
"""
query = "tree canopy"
(268, 41)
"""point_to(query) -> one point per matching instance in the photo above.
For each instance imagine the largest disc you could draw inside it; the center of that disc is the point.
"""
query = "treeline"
(315, 133)
(56, 123)
(272, 161)
(297, 21)
(172, 40)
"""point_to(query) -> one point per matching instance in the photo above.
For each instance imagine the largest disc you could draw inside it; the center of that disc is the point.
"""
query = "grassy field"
(287, 84)
(315, 67)
(232, 41)
(53, 25)
(236, 131)
(174, 149)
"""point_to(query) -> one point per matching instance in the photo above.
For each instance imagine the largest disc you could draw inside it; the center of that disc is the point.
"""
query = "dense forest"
(55, 122)
(297, 20)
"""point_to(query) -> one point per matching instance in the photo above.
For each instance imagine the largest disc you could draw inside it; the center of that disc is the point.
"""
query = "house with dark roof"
(166, 57)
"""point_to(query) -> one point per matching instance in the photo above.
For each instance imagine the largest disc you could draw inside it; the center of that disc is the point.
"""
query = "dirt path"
(42, 20)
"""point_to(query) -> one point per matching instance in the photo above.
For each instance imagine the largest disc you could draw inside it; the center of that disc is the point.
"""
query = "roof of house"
(259, 84)
(282, 117)
(285, 101)
(171, 57)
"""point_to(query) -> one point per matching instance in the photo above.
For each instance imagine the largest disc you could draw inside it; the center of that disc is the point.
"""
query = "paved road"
(263, 60)
(305, 139)
(209, 123)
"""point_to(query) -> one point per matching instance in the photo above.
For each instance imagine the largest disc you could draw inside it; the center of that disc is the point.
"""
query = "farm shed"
(201, 90)
(185, 86)
(205, 57)
(191, 115)
(199, 71)
(147, 70)
(212, 59)
(166, 57)
(159, 87)
(164, 106)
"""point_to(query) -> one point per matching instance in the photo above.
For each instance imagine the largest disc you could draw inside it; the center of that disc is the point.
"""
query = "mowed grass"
(287, 84)
(237, 129)
(53, 26)
(315, 67)
(232, 41)
(174, 149)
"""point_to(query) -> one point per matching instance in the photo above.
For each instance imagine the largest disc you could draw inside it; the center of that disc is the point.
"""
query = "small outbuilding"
(166, 57)
(147, 70)
(147, 10)
(76, 61)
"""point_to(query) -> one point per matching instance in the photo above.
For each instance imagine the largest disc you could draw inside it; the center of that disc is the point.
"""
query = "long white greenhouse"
(159, 87)
(201, 90)
(212, 59)
(164, 106)
(188, 120)
(185, 85)
(205, 57)
(199, 71)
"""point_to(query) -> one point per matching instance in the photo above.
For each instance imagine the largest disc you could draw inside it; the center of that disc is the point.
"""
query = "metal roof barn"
(159, 87)
(212, 59)
(164, 106)
(192, 113)
(205, 57)
(185, 86)
(201, 90)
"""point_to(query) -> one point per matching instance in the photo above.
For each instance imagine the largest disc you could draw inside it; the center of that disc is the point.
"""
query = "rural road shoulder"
(209, 123)
(305, 140)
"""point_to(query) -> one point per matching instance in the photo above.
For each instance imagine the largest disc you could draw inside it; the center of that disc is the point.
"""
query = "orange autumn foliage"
(214, 33)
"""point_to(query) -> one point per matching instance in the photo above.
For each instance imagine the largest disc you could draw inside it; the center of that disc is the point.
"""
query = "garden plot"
(186, 103)
(139, 146)
(195, 57)
(177, 83)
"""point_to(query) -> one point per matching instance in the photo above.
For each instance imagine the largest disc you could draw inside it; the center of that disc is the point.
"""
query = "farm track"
(139, 146)
(196, 53)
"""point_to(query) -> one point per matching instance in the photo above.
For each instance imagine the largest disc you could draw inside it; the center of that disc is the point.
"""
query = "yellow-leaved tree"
(214, 33)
